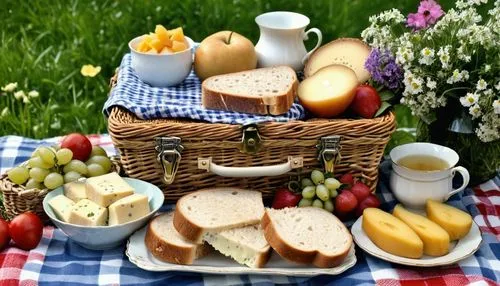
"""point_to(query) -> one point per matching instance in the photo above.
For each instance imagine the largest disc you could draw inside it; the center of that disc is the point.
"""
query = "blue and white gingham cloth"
(58, 260)
(181, 101)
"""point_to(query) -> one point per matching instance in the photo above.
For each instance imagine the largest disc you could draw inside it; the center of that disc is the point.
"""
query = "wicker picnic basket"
(177, 154)
(17, 200)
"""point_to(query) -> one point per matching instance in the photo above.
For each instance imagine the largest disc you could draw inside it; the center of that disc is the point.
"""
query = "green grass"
(44, 44)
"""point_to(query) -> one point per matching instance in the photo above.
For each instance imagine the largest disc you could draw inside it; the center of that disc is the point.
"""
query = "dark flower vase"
(455, 130)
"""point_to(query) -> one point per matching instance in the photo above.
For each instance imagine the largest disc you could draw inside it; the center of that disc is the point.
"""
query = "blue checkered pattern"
(67, 263)
(181, 101)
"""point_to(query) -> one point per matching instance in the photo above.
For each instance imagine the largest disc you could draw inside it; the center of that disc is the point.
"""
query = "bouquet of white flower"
(434, 58)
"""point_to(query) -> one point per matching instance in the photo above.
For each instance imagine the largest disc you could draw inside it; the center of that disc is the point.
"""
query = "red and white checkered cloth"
(59, 260)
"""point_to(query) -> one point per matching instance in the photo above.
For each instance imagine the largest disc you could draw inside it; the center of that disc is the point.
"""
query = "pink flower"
(431, 10)
(428, 13)
(416, 21)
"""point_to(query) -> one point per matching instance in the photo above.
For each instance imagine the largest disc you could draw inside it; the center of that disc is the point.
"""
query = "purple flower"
(428, 13)
(384, 69)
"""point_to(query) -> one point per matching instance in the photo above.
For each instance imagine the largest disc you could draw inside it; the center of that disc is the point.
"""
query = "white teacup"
(414, 187)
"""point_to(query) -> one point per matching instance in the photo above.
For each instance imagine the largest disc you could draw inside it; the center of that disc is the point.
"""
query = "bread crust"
(293, 254)
(273, 105)
(184, 227)
(166, 251)
(263, 258)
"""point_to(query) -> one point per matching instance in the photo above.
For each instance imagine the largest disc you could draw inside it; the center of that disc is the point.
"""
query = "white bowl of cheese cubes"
(102, 212)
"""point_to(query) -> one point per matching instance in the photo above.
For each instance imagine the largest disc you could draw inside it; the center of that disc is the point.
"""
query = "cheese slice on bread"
(215, 210)
(163, 241)
(307, 235)
(246, 245)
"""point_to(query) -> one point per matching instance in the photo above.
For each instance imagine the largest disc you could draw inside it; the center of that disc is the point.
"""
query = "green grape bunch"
(52, 166)
(318, 190)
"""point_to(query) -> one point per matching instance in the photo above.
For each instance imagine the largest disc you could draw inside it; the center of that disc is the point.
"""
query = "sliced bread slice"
(217, 209)
(247, 245)
(307, 235)
(163, 241)
(261, 91)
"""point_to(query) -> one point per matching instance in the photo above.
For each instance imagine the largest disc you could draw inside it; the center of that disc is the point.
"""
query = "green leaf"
(382, 108)
(386, 95)
(399, 137)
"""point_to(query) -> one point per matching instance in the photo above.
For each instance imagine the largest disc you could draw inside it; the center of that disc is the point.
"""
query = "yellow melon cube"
(143, 46)
(176, 34)
(178, 46)
(166, 50)
(162, 34)
(156, 45)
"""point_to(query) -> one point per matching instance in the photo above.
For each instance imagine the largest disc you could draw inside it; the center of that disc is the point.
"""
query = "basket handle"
(260, 171)
(29, 192)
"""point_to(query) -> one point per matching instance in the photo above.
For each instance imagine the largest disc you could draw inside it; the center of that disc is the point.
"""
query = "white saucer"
(461, 249)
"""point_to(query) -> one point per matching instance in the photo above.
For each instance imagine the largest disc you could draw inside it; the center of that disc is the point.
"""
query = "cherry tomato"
(79, 145)
(4, 234)
(26, 230)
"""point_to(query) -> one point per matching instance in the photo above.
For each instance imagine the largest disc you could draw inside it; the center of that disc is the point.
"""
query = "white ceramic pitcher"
(282, 38)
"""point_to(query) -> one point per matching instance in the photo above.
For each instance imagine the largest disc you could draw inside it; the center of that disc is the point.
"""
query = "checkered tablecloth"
(59, 260)
(181, 101)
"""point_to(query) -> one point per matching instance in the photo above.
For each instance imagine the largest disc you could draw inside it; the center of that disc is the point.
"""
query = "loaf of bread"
(260, 91)
(307, 235)
(163, 241)
(215, 210)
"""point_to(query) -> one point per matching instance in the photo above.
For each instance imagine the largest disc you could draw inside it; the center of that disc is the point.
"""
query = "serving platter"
(216, 263)
(460, 249)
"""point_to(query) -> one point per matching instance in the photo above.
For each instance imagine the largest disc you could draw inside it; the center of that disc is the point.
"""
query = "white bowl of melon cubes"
(102, 212)
(163, 58)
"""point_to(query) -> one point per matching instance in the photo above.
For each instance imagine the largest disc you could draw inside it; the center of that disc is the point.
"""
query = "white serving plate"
(216, 263)
(461, 249)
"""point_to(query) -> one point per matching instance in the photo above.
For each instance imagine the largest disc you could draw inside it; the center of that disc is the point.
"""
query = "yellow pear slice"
(391, 234)
(456, 222)
(436, 240)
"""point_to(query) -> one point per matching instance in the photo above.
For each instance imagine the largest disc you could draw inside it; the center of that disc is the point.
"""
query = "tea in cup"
(422, 171)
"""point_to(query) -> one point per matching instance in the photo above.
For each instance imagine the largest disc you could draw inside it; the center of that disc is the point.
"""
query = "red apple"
(79, 145)
(347, 179)
(366, 101)
(369, 202)
(360, 190)
(345, 202)
(283, 198)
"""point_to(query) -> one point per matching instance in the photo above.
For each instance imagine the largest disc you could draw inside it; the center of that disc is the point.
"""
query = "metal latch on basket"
(168, 150)
(329, 152)
(250, 140)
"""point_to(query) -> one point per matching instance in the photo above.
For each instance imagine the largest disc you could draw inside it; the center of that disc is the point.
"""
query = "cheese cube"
(61, 206)
(75, 191)
(86, 212)
(391, 234)
(107, 189)
(128, 209)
